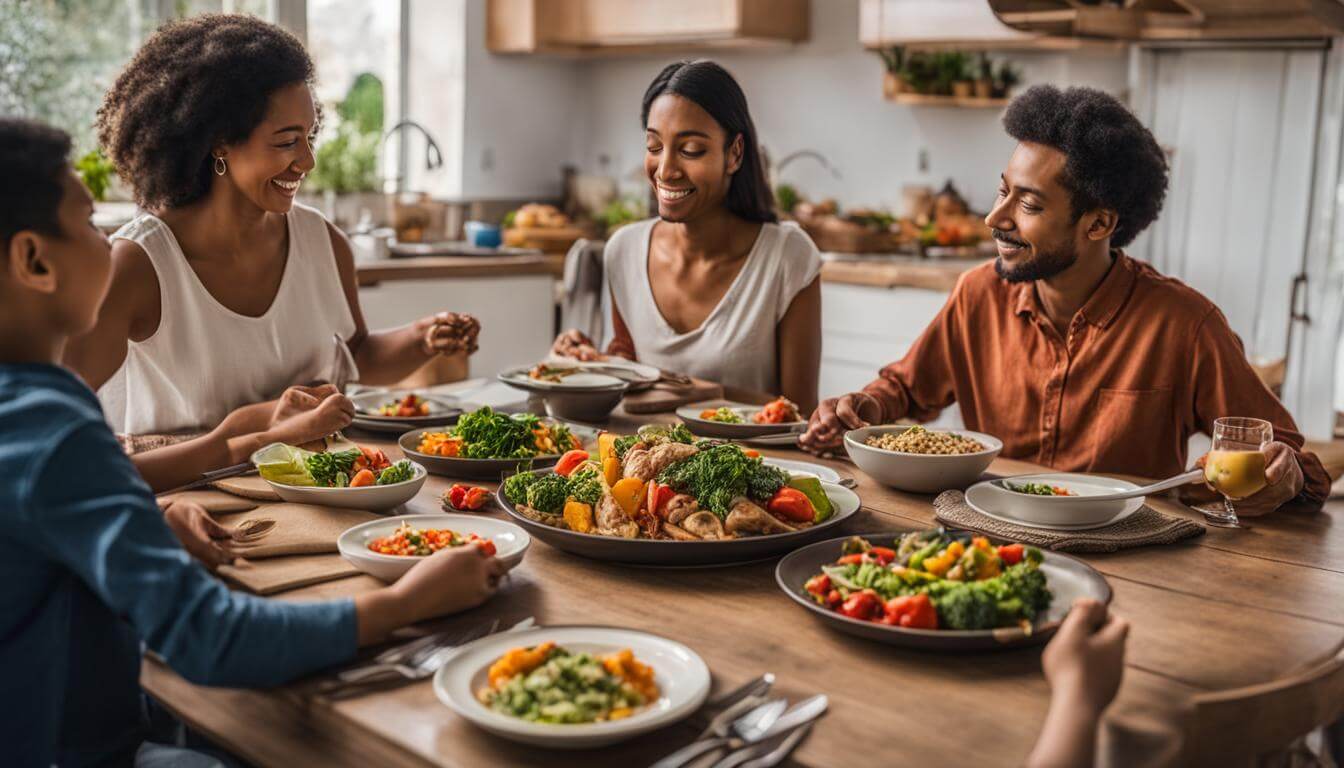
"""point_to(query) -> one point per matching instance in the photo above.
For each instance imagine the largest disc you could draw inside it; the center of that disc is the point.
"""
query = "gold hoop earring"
(221, 167)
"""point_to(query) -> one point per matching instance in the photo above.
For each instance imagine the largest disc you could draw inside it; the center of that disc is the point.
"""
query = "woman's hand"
(1084, 661)
(199, 534)
(449, 333)
(574, 344)
(834, 417)
(305, 414)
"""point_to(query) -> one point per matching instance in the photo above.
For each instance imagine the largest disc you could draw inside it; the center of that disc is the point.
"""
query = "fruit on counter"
(538, 216)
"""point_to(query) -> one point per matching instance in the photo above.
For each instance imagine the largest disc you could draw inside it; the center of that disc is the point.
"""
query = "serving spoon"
(1194, 475)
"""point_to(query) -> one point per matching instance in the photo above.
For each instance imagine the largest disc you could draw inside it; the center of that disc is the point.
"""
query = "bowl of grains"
(913, 458)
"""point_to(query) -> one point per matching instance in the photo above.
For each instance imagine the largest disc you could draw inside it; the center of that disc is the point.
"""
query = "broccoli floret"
(585, 486)
(397, 473)
(548, 493)
(964, 605)
(515, 487)
(1025, 583)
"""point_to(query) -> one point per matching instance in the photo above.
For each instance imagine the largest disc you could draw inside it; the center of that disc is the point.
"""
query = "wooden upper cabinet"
(578, 26)
(1176, 20)
(949, 24)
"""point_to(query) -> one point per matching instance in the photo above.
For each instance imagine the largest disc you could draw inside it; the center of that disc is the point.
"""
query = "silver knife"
(799, 714)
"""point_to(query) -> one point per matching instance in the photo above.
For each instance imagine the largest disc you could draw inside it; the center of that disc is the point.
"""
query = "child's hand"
(306, 414)
(449, 581)
(1084, 661)
(199, 534)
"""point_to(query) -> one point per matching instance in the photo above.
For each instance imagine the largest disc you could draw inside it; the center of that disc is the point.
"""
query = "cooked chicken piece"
(612, 520)
(677, 532)
(646, 465)
(704, 524)
(745, 518)
(680, 507)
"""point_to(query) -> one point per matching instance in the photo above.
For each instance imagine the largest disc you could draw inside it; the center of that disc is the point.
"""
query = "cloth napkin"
(1144, 527)
(214, 502)
(280, 574)
(248, 487)
(300, 529)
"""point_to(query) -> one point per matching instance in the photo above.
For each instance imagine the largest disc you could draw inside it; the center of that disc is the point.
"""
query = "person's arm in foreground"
(92, 515)
(1083, 664)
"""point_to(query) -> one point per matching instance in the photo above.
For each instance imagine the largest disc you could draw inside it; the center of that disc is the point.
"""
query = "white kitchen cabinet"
(517, 313)
(863, 328)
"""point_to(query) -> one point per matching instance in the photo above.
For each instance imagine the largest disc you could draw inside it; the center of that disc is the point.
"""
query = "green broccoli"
(586, 486)
(964, 605)
(515, 487)
(548, 493)
(1026, 583)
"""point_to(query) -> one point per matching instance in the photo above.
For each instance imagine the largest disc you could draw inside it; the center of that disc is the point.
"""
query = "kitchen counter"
(880, 271)
(449, 267)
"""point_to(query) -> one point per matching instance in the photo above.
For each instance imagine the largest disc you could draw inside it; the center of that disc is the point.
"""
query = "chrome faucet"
(433, 157)
(815, 155)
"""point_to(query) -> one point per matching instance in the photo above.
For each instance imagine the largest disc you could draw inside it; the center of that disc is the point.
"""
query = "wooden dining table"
(1231, 608)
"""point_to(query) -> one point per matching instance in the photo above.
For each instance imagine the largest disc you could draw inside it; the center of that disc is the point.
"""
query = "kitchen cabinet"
(584, 26)
(865, 327)
(1176, 20)
(517, 313)
(950, 24)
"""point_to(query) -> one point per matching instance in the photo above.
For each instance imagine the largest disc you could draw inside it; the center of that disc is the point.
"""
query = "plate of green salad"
(356, 478)
(573, 687)
(938, 589)
(486, 443)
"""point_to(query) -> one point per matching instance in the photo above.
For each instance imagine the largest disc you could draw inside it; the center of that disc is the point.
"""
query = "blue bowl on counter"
(483, 235)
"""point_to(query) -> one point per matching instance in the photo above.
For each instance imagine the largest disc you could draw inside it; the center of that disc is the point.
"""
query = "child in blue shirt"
(88, 567)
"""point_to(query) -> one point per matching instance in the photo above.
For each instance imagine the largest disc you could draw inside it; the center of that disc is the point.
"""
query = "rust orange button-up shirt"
(1146, 363)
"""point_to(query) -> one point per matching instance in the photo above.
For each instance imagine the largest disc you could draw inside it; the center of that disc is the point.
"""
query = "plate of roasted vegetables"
(938, 589)
(386, 549)
(725, 419)
(572, 687)
(663, 497)
(357, 477)
(486, 443)
(396, 411)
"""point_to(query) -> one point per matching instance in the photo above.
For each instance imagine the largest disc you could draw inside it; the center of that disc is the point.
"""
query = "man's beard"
(1040, 266)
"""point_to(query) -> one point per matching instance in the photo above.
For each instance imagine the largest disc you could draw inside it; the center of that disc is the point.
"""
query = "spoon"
(252, 529)
(1194, 475)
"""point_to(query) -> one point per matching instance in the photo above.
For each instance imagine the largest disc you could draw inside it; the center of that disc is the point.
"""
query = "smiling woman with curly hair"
(225, 291)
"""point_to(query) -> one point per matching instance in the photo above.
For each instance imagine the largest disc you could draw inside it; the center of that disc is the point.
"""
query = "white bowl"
(681, 675)
(917, 472)
(371, 497)
(511, 542)
(1067, 512)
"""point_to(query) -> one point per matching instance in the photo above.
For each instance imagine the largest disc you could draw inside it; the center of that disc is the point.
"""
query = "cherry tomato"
(362, 478)
(818, 585)
(912, 611)
(1011, 554)
(658, 496)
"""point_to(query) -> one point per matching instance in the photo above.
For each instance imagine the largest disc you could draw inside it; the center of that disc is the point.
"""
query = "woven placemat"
(1145, 527)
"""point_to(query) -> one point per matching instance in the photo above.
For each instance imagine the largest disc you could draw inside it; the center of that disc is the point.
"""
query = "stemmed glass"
(1235, 466)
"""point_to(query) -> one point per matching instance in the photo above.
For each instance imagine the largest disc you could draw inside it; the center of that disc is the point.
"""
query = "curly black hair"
(32, 158)
(195, 84)
(1113, 161)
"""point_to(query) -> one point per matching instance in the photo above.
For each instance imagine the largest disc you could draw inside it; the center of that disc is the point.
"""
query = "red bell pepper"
(570, 462)
(853, 559)
(487, 546)
(882, 555)
(818, 585)
(657, 496)
(834, 598)
(791, 504)
(865, 606)
(1011, 554)
(912, 611)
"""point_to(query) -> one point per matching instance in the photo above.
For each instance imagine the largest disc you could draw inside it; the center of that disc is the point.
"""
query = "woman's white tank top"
(205, 360)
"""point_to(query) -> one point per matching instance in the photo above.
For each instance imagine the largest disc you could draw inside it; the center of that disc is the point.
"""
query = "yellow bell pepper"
(628, 493)
(606, 446)
(938, 564)
(611, 469)
(578, 516)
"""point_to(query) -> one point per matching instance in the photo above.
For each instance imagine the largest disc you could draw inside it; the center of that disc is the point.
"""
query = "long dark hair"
(710, 86)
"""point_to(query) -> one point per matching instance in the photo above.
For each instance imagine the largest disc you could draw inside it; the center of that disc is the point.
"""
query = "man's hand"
(1283, 481)
(448, 333)
(834, 417)
(199, 534)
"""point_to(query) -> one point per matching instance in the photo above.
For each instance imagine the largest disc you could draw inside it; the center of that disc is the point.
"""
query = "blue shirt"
(89, 570)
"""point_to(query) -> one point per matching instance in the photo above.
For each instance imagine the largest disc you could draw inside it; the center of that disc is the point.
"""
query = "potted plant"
(346, 161)
(958, 74)
(984, 76)
(1007, 78)
(921, 72)
(893, 80)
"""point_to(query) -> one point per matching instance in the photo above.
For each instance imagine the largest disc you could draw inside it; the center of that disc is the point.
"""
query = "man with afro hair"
(1077, 356)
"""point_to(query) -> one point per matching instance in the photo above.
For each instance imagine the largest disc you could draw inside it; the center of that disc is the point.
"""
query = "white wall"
(826, 95)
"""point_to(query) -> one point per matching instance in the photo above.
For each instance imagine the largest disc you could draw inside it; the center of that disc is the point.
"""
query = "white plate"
(640, 375)
(1058, 513)
(511, 542)
(805, 468)
(690, 415)
(583, 380)
(681, 675)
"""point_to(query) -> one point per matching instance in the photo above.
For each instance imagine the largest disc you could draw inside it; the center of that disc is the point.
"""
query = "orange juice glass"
(1235, 467)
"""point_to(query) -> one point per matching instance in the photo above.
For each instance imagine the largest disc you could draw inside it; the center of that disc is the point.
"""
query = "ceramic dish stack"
(577, 394)
(442, 410)
(1083, 511)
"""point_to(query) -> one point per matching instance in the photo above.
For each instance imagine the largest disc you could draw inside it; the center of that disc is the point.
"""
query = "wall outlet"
(488, 159)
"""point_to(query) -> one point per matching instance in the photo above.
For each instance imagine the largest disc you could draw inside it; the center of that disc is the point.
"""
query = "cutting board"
(665, 397)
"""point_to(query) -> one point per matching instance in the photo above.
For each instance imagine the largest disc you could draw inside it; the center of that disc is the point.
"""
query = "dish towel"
(1147, 526)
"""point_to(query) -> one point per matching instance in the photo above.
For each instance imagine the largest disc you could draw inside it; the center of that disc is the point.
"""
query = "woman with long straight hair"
(714, 286)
